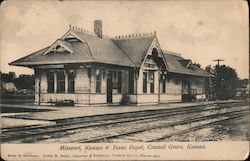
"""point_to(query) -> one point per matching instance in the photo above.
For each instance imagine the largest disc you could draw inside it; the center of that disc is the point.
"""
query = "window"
(98, 80)
(50, 76)
(58, 47)
(193, 91)
(164, 85)
(114, 80)
(117, 81)
(71, 81)
(151, 81)
(60, 82)
(131, 82)
(145, 82)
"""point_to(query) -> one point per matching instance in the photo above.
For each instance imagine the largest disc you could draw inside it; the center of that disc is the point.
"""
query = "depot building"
(89, 68)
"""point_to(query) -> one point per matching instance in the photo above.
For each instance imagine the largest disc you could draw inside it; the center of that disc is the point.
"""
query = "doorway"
(186, 92)
(109, 87)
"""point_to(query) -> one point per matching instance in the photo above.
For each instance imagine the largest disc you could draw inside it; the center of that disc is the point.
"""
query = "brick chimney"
(98, 28)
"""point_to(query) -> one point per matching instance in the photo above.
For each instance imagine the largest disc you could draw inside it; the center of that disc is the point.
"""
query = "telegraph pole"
(218, 61)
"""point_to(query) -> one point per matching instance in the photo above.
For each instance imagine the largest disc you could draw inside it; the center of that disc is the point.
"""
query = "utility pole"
(218, 61)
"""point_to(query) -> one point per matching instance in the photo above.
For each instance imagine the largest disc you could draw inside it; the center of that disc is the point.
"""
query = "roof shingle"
(81, 54)
(104, 50)
(136, 48)
(128, 52)
(175, 65)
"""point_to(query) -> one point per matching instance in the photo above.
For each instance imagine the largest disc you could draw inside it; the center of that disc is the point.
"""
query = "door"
(186, 91)
(109, 87)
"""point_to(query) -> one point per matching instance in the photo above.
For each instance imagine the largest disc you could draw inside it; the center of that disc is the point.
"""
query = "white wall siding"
(98, 98)
(173, 88)
(44, 85)
(198, 84)
(77, 98)
(147, 98)
(82, 98)
(140, 82)
(133, 98)
(117, 98)
(82, 81)
(170, 98)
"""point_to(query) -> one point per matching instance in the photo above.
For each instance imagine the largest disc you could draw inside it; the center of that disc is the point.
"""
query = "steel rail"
(187, 121)
(25, 133)
(195, 128)
(107, 117)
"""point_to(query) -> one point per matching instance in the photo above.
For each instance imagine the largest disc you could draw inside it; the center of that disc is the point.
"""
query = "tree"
(22, 82)
(209, 69)
(242, 83)
(197, 64)
(25, 81)
(226, 82)
(223, 85)
(209, 84)
(8, 77)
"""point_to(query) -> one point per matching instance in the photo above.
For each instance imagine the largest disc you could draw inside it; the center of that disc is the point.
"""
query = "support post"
(66, 81)
(39, 90)
(55, 82)
(159, 84)
(89, 75)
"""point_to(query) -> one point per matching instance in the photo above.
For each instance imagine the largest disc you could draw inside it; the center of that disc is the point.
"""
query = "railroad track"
(231, 115)
(89, 119)
(9, 134)
(195, 128)
(114, 116)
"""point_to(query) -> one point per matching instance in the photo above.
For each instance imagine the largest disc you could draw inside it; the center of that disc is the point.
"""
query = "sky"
(198, 30)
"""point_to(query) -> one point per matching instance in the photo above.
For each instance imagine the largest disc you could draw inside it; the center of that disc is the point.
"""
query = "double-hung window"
(71, 81)
(50, 78)
(98, 80)
(151, 81)
(60, 81)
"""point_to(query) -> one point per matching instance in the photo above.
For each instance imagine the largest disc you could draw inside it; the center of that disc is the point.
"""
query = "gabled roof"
(177, 64)
(185, 62)
(104, 50)
(93, 49)
(81, 54)
(136, 48)
(66, 45)
(126, 51)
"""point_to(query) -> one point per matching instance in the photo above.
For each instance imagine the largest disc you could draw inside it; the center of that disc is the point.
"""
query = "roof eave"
(182, 73)
(31, 64)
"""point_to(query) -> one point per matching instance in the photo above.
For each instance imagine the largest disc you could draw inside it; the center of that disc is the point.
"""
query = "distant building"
(90, 68)
(7, 87)
(243, 92)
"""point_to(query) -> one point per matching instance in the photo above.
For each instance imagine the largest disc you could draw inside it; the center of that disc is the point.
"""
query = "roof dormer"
(59, 46)
(70, 36)
(187, 63)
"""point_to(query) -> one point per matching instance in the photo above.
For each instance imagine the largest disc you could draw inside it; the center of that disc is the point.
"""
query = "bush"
(125, 100)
